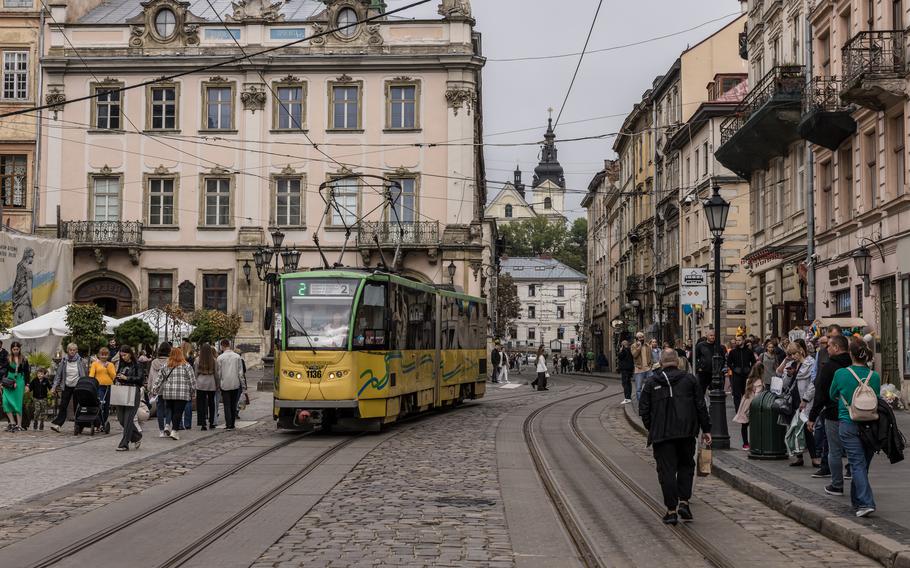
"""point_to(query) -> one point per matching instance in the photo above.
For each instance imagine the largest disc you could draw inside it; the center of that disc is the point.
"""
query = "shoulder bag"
(782, 404)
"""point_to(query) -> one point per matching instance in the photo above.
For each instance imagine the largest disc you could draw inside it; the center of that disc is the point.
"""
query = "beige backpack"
(864, 407)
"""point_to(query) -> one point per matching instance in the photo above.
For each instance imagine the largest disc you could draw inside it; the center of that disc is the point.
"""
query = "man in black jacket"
(495, 361)
(740, 360)
(626, 366)
(824, 407)
(672, 408)
(704, 361)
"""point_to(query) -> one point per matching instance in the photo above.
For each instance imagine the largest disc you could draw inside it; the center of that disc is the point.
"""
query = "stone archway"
(112, 295)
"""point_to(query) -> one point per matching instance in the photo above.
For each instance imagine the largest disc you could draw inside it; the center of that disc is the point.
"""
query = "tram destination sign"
(315, 288)
(693, 277)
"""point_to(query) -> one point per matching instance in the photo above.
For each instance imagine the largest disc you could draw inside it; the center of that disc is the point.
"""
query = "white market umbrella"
(166, 327)
(51, 323)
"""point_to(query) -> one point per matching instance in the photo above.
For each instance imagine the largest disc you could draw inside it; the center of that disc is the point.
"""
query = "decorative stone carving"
(345, 78)
(317, 39)
(191, 33)
(55, 97)
(218, 79)
(403, 78)
(253, 97)
(162, 170)
(136, 35)
(106, 170)
(219, 171)
(458, 98)
(375, 38)
(455, 9)
(402, 171)
(143, 33)
(100, 257)
(288, 170)
(134, 256)
(290, 79)
(256, 11)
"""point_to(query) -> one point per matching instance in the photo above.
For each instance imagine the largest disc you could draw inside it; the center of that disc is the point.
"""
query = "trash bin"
(766, 436)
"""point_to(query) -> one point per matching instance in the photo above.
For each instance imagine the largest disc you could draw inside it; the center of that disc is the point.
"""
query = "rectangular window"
(845, 185)
(219, 108)
(560, 291)
(164, 108)
(827, 194)
(870, 155)
(758, 192)
(842, 306)
(799, 187)
(899, 160)
(560, 312)
(106, 198)
(560, 333)
(532, 290)
(344, 211)
(532, 312)
(288, 201)
(345, 108)
(779, 193)
(15, 75)
(405, 200)
(705, 156)
(287, 33)
(402, 106)
(531, 334)
(214, 292)
(107, 108)
(161, 201)
(221, 33)
(217, 202)
(161, 289)
(17, 3)
(697, 174)
(13, 180)
(290, 107)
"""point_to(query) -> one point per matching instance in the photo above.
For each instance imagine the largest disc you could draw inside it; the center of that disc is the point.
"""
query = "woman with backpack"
(855, 388)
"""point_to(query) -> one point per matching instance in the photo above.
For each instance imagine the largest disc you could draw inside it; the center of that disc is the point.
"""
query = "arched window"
(548, 203)
(508, 210)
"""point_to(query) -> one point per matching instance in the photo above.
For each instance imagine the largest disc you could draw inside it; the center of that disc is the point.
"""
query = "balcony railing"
(111, 233)
(423, 233)
(781, 80)
(823, 94)
(634, 283)
(875, 53)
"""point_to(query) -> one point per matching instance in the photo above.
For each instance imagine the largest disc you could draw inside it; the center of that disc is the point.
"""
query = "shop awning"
(773, 252)
(848, 323)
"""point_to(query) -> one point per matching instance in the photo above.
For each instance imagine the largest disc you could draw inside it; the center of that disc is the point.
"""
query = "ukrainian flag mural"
(36, 274)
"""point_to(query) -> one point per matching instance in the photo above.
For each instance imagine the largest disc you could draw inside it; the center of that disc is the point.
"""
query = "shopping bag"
(704, 461)
(795, 438)
(777, 385)
(123, 395)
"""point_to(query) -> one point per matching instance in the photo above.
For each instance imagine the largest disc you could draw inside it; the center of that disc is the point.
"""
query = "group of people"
(169, 383)
(817, 380)
(502, 362)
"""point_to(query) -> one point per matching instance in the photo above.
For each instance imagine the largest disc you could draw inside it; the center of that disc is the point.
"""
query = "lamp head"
(716, 211)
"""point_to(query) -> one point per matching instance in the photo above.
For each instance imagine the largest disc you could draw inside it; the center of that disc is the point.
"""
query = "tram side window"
(421, 324)
(370, 326)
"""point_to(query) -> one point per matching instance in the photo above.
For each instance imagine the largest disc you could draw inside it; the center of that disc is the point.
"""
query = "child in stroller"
(88, 407)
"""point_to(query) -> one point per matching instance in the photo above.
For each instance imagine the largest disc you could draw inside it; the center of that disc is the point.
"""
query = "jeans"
(626, 377)
(639, 381)
(835, 453)
(187, 423)
(205, 408)
(161, 413)
(230, 398)
(860, 458)
(104, 396)
(675, 469)
(175, 410)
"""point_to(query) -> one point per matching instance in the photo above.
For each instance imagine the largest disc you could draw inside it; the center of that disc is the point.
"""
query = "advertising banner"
(36, 274)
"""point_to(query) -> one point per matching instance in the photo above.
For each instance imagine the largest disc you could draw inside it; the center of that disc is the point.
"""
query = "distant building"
(552, 297)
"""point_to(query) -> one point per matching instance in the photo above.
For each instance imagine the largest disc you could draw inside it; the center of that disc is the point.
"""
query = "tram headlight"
(298, 376)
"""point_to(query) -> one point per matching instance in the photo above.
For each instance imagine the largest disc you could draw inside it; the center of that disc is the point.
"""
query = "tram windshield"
(318, 312)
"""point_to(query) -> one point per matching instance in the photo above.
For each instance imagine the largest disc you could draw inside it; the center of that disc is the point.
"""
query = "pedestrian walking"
(704, 361)
(641, 354)
(176, 384)
(754, 385)
(672, 408)
(504, 367)
(129, 373)
(740, 361)
(626, 365)
(495, 361)
(769, 363)
(229, 374)
(843, 388)
(158, 363)
(824, 413)
(542, 374)
(69, 371)
(655, 351)
(798, 366)
(206, 386)
(104, 372)
(17, 376)
(40, 387)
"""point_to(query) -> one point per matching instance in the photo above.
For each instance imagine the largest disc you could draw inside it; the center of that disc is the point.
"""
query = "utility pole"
(810, 196)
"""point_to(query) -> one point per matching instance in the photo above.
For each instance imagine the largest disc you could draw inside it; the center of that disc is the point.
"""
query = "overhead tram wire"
(581, 58)
(228, 61)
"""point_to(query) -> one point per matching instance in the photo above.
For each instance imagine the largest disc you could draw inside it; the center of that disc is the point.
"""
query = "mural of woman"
(22, 289)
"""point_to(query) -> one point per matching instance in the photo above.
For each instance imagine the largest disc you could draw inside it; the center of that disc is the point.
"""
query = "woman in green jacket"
(842, 387)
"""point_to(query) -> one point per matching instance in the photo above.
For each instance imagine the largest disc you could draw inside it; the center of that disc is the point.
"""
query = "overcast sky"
(517, 94)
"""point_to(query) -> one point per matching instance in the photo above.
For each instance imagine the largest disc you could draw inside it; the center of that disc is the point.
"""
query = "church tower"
(549, 187)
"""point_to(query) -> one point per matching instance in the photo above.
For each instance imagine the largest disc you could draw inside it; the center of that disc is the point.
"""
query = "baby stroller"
(88, 407)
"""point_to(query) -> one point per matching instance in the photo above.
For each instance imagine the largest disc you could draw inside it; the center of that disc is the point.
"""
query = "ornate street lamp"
(716, 211)
(451, 270)
(863, 260)
(247, 269)
(660, 287)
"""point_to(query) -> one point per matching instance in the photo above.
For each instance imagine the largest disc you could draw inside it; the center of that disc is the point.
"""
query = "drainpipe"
(655, 189)
(36, 161)
(810, 195)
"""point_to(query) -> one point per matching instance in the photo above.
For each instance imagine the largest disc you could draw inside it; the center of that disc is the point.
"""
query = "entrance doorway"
(114, 297)
(888, 317)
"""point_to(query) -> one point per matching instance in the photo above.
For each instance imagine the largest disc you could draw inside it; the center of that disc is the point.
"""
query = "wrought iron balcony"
(418, 233)
(827, 120)
(634, 283)
(765, 123)
(875, 63)
(102, 233)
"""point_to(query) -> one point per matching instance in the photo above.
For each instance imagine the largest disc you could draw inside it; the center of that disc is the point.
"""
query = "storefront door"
(890, 370)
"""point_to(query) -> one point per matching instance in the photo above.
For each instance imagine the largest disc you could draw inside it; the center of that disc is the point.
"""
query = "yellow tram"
(363, 348)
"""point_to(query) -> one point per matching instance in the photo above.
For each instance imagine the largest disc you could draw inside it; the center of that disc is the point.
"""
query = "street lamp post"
(285, 260)
(716, 211)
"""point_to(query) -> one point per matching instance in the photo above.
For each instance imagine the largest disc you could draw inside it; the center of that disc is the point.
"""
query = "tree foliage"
(507, 304)
(213, 326)
(6, 316)
(542, 236)
(136, 333)
(86, 323)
